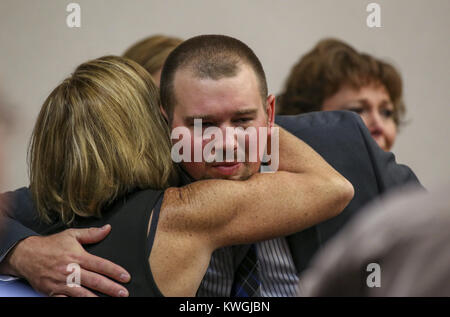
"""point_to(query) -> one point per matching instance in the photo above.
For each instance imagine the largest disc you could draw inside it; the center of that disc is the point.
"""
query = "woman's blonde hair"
(152, 51)
(98, 136)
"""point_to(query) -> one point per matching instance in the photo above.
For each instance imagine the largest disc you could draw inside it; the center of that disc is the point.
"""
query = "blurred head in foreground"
(399, 246)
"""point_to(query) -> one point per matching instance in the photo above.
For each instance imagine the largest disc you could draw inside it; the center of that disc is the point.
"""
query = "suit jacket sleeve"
(18, 219)
(343, 140)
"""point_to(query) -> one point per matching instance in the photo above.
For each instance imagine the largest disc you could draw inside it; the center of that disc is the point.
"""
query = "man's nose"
(229, 138)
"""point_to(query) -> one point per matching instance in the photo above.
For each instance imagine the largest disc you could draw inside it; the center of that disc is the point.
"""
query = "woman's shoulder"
(137, 202)
(138, 197)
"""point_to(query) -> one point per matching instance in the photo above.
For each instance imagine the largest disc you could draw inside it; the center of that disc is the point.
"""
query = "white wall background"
(38, 50)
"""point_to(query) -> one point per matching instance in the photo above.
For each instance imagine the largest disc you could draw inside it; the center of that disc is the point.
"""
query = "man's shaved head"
(208, 56)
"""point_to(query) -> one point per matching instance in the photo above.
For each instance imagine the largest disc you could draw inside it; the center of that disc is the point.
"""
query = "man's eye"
(203, 125)
(242, 120)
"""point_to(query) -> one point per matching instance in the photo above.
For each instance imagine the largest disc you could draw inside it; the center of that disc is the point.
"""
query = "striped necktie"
(246, 279)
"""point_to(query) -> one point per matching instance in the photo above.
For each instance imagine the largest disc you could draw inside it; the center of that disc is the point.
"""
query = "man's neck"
(185, 178)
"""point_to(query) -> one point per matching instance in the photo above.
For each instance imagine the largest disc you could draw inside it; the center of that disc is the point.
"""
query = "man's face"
(224, 103)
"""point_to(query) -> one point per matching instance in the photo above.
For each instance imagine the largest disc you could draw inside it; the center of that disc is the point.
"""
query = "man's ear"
(164, 113)
(270, 110)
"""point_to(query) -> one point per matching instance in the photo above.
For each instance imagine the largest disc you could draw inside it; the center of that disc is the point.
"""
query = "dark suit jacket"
(339, 136)
(343, 140)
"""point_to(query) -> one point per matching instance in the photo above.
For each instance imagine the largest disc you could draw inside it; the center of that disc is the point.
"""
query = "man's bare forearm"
(306, 191)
